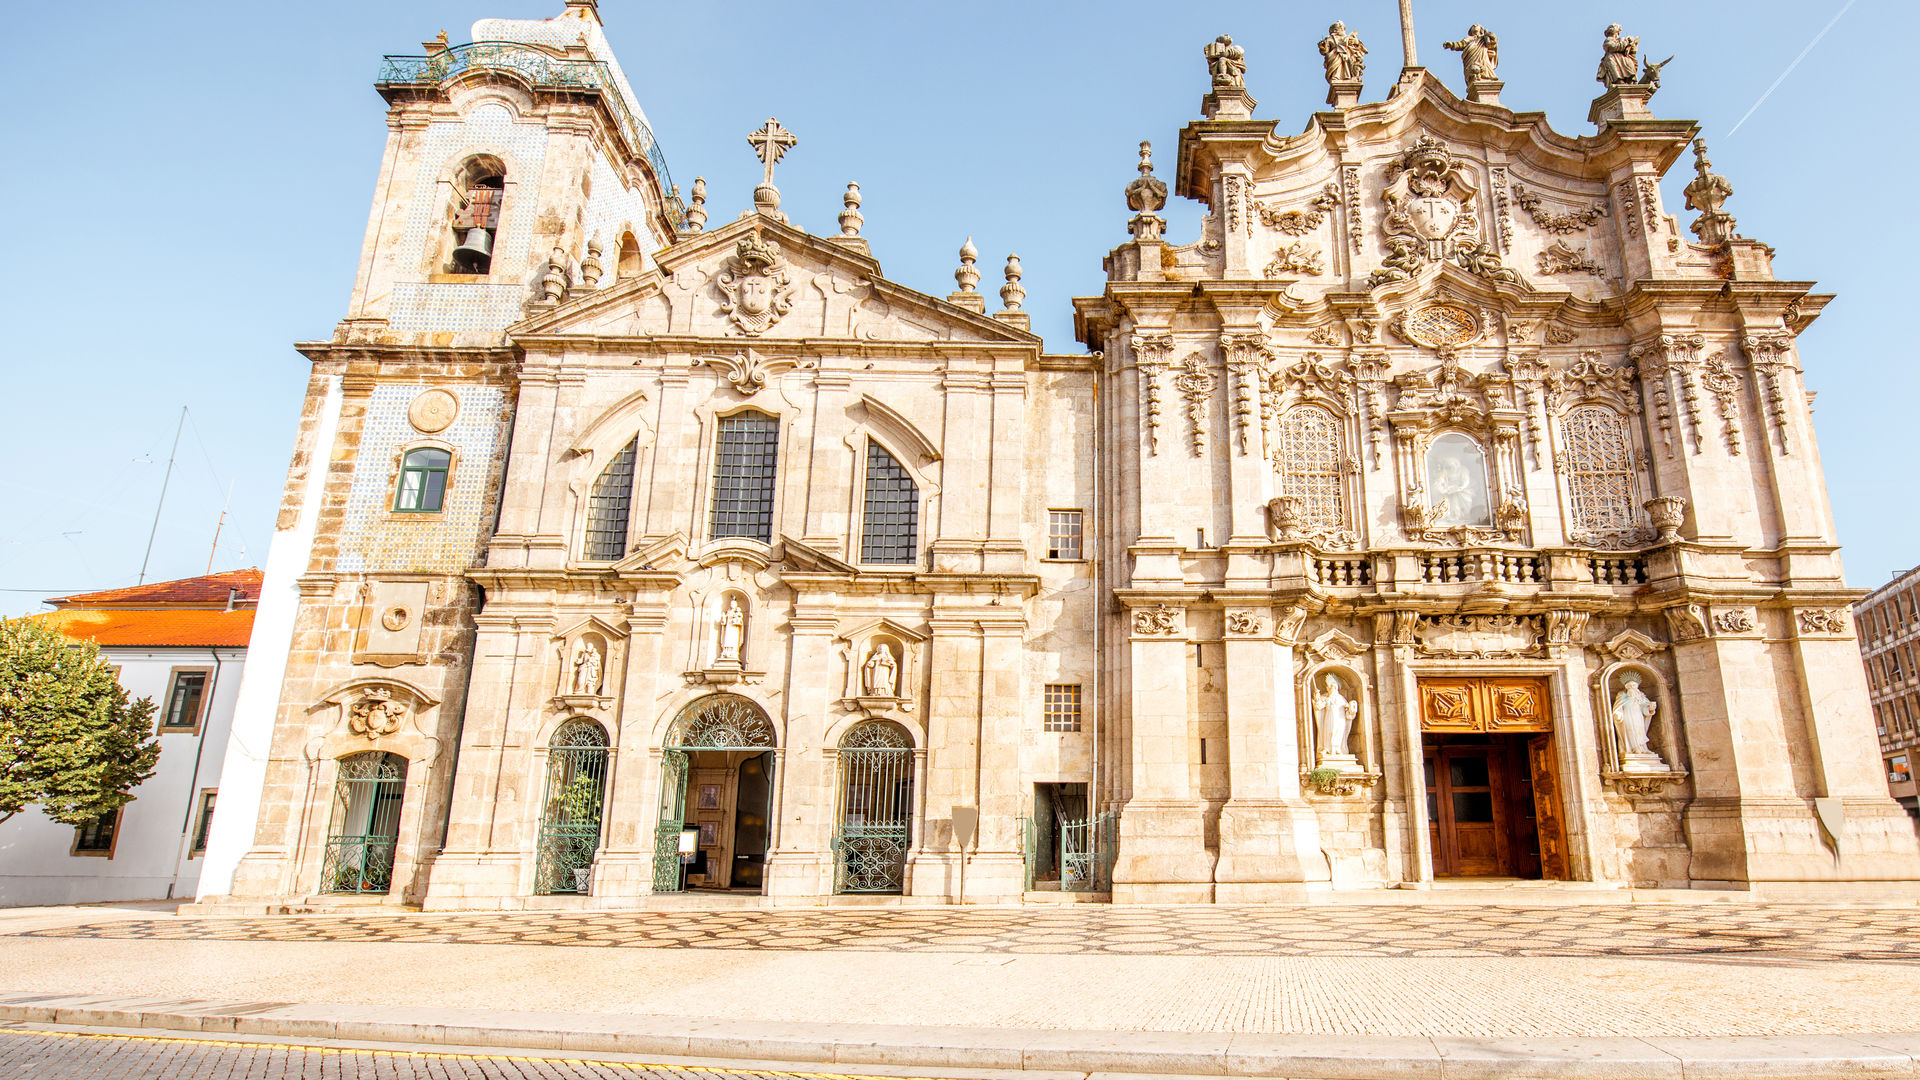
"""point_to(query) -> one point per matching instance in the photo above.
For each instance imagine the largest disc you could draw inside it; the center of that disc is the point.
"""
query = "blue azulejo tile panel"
(373, 536)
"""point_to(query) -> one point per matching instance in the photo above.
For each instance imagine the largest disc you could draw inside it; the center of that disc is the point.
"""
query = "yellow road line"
(630, 1065)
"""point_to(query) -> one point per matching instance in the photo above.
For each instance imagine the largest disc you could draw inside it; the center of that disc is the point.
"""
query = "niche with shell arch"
(1333, 765)
(1620, 765)
(584, 671)
(729, 636)
(882, 667)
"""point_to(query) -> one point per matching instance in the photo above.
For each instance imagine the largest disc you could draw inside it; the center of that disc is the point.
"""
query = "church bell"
(477, 245)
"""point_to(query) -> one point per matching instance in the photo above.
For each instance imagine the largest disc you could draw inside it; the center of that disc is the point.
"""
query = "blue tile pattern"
(373, 537)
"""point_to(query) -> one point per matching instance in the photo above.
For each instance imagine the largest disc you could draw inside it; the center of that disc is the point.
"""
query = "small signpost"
(965, 820)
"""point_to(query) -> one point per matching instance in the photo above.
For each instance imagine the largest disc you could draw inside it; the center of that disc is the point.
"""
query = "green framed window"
(423, 480)
(185, 699)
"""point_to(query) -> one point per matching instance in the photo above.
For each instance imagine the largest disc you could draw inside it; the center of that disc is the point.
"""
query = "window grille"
(608, 505)
(1599, 475)
(1062, 705)
(183, 700)
(1064, 534)
(743, 472)
(205, 826)
(96, 836)
(423, 480)
(892, 520)
(1311, 465)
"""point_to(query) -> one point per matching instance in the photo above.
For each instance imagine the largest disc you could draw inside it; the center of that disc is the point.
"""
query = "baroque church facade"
(1440, 511)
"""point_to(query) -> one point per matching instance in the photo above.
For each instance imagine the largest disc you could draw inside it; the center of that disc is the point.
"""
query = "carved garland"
(1771, 358)
(1150, 351)
(1196, 384)
(1300, 222)
(1552, 221)
(1157, 621)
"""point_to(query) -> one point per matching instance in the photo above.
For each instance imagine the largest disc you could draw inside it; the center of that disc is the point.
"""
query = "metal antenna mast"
(155, 531)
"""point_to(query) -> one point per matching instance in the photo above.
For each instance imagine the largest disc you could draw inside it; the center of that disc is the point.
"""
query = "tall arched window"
(891, 522)
(423, 480)
(607, 507)
(576, 795)
(1311, 465)
(746, 451)
(1599, 468)
(365, 825)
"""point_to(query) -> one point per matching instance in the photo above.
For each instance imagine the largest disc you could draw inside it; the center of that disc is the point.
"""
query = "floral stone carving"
(1159, 620)
(1478, 635)
(376, 714)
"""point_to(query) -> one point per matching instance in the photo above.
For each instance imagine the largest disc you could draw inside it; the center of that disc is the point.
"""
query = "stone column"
(1163, 848)
(1269, 836)
(804, 810)
(954, 656)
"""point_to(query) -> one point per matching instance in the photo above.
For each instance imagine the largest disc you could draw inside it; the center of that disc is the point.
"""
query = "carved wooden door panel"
(1473, 810)
(1547, 808)
(1489, 706)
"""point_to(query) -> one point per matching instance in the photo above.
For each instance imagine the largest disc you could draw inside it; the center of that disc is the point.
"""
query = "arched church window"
(1599, 467)
(479, 190)
(746, 452)
(892, 519)
(423, 480)
(1311, 465)
(630, 262)
(607, 507)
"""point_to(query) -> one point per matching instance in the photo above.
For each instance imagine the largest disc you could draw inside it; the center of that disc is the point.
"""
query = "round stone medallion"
(396, 618)
(433, 411)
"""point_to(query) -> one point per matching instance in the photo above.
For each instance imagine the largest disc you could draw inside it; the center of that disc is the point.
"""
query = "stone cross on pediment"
(770, 144)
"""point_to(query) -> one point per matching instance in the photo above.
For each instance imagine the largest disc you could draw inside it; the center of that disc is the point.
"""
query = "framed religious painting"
(709, 797)
(709, 834)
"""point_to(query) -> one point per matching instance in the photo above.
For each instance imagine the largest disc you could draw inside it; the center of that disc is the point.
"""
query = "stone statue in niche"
(1345, 57)
(1457, 482)
(733, 627)
(1334, 714)
(1633, 724)
(587, 663)
(880, 677)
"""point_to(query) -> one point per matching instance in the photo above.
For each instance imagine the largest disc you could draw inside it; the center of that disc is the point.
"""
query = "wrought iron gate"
(576, 796)
(365, 827)
(673, 815)
(876, 809)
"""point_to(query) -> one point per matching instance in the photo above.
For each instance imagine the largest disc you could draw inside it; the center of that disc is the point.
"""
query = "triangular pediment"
(758, 281)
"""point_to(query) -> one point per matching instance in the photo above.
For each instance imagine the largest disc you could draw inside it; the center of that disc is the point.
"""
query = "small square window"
(1063, 535)
(96, 836)
(205, 824)
(185, 700)
(1062, 703)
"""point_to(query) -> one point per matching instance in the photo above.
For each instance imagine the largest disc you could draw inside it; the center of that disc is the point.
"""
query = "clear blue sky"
(188, 185)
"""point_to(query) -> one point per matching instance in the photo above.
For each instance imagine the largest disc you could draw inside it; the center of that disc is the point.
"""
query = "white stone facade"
(1439, 464)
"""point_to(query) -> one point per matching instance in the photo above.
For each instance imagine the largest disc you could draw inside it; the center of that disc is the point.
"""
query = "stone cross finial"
(1013, 294)
(1708, 193)
(967, 275)
(770, 144)
(697, 211)
(850, 218)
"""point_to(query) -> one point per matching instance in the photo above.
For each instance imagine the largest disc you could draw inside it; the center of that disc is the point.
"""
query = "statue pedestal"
(1485, 91)
(1228, 103)
(1626, 101)
(1343, 93)
(1350, 765)
(1643, 764)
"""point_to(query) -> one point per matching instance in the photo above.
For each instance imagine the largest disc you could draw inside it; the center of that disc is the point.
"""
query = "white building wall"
(151, 857)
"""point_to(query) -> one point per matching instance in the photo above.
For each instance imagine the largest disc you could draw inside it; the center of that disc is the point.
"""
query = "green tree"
(70, 739)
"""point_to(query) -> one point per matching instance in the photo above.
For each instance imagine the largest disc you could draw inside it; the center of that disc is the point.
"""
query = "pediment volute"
(667, 553)
(757, 282)
(806, 559)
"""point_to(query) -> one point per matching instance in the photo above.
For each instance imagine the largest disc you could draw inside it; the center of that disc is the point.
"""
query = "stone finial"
(770, 144)
(1226, 63)
(1619, 59)
(697, 210)
(1147, 193)
(1708, 194)
(437, 45)
(1013, 294)
(553, 286)
(968, 275)
(851, 218)
(1668, 513)
(590, 266)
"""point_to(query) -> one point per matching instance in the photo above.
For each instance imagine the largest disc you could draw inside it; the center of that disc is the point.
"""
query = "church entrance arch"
(716, 797)
(1494, 807)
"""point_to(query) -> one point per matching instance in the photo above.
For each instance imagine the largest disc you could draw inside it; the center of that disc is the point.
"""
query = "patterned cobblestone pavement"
(57, 1055)
(1764, 932)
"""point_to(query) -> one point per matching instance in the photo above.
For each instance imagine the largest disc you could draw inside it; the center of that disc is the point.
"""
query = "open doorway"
(1492, 784)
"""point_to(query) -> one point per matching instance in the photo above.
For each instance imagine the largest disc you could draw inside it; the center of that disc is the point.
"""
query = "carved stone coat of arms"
(755, 287)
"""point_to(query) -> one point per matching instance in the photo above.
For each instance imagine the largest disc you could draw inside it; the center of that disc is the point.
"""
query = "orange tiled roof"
(176, 628)
(209, 590)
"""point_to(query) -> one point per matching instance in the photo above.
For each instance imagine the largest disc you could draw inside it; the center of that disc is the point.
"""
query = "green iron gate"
(576, 796)
(365, 827)
(714, 722)
(1087, 847)
(876, 809)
